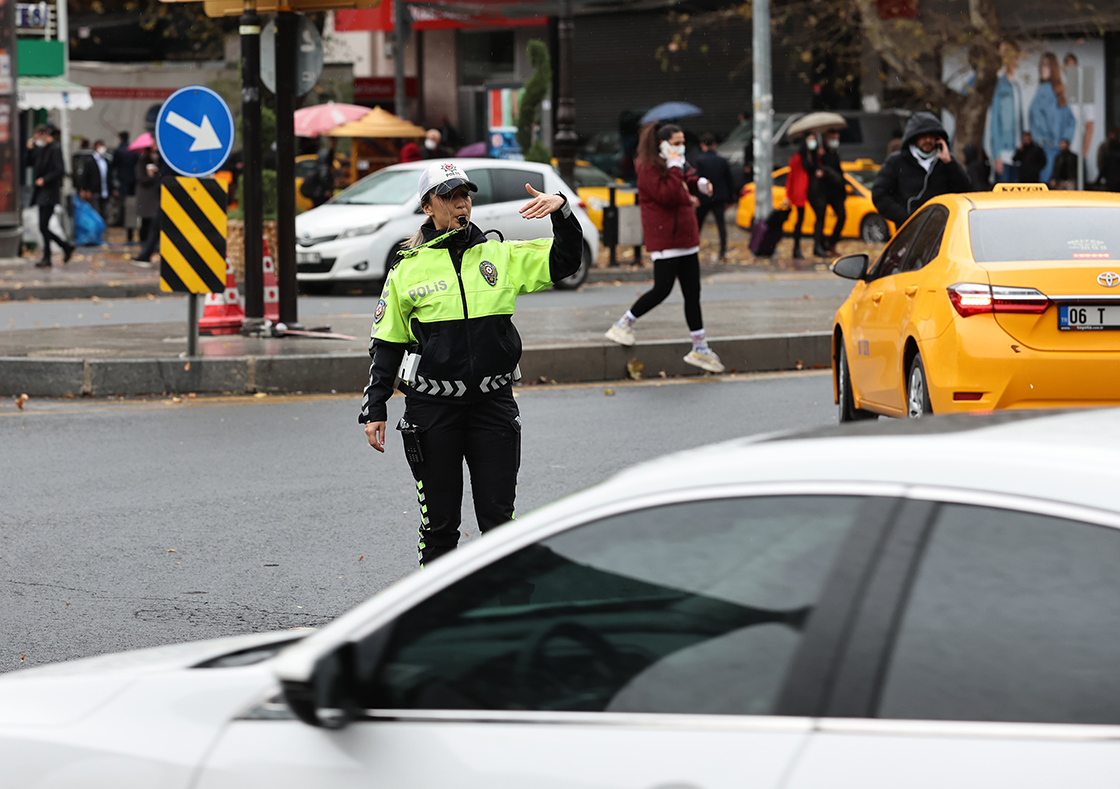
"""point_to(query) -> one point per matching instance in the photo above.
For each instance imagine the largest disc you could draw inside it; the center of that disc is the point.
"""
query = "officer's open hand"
(541, 205)
(375, 432)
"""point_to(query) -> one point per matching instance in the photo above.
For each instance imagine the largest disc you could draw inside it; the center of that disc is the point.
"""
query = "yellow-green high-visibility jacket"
(451, 300)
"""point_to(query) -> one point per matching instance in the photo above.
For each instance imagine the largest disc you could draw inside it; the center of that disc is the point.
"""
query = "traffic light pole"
(251, 204)
(287, 43)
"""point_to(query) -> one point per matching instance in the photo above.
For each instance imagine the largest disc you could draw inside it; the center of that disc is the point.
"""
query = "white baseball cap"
(442, 178)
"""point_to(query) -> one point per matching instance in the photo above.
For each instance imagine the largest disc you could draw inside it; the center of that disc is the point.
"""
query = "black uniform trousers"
(488, 436)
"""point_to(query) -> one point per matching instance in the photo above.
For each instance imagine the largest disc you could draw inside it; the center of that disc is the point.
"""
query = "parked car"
(862, 220)
(355, 236)
(593, 187)
(866, 137)
(864, 606)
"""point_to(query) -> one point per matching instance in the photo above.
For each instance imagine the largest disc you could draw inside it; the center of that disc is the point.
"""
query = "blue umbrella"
(671, 111)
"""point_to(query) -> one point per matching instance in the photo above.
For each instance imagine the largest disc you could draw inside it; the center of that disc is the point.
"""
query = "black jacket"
(47, 165)
(829, 187)
(480, 351)
(1065, 167)
(1031, 159)
(903, 185)
(715, 168)
(91, 176)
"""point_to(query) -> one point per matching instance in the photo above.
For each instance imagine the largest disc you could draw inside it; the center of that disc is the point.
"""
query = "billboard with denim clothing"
(1053, 88)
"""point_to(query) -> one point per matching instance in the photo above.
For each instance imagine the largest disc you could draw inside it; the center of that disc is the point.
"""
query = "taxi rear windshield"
(1045, 233)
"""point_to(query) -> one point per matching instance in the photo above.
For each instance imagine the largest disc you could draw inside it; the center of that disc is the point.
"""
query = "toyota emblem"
(1110, 279)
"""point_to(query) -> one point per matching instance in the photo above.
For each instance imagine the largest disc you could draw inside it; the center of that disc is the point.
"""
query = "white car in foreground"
(356, 235)
(881, 605)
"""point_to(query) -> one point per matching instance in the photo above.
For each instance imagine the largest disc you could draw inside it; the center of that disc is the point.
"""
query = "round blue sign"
(194, 131)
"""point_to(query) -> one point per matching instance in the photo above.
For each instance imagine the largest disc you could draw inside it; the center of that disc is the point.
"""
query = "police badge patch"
(489, 273)
(379, 311)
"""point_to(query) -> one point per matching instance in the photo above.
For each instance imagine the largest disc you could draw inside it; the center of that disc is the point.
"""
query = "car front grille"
(322, 267)
(310, 242)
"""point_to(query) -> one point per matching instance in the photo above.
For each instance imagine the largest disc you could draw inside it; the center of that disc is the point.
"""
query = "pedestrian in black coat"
(979, 171)
(921, 170)
(47, 180)
(715, 168)
(1031, 159)
(827, 189)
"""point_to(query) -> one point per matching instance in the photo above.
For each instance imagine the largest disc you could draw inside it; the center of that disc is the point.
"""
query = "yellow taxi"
(593, 188)
(305, 166)
(862, 222)
(990, 300)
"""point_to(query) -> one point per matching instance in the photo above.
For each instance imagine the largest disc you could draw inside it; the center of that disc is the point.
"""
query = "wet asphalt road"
(132, 524)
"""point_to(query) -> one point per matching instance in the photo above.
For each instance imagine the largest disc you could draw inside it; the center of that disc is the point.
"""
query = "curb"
(48, 292)
(348, 372)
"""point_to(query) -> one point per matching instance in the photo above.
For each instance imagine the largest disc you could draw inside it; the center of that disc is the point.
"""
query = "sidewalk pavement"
(561, 344)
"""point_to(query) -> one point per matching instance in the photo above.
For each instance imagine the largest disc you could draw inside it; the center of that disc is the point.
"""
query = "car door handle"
(877, 297)
(910, 291)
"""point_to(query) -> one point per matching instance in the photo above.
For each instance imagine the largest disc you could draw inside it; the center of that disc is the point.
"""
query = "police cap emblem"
(489, 273)
(379, 311)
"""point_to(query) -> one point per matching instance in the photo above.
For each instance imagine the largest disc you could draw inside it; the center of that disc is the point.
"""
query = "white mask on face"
(430, 144)
(834, 143)
(40, 143)
(811, 143)
(100, 150)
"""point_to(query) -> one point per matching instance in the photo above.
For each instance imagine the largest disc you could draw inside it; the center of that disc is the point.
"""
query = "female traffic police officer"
(443, 327)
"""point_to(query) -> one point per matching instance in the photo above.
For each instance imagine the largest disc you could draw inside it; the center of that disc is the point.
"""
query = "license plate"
(307, 257)
(1090, 317)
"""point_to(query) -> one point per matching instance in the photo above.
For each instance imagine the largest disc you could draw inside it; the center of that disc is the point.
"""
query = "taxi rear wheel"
(848, 411)
(873, 229)
(917, 391)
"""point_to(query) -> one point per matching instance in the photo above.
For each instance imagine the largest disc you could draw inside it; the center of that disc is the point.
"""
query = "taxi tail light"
(971, 298)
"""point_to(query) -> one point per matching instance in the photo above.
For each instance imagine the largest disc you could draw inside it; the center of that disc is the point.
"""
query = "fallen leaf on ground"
(23, 398)
(608, 392)
(171, 550)
(800, 365)
(261, 394)
(361, 557)
(634, 369)
(187, 366)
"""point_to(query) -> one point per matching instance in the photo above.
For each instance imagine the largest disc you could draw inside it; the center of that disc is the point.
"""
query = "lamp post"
(565, 141)
(251, 192)
(762, 94)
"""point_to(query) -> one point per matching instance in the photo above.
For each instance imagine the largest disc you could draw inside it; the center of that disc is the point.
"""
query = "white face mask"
(100, 150)
(811, 143)
(430, 144)
(834, 143)
(40, 143)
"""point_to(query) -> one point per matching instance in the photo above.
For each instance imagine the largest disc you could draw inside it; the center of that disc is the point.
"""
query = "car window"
(385, 187)
(509, 185)
(587, 175)
(481, 178)
(928, 242)
(695, 607)
(1012, 617)
(894, 256)
(1031, 233)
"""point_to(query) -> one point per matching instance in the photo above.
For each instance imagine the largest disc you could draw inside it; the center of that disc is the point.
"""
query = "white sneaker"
(705, 361)
(621, 333)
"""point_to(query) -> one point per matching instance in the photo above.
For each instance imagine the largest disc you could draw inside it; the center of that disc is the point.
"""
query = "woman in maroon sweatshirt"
(666, 193)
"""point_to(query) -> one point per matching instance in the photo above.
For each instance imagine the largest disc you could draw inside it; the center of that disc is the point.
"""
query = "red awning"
(442, 15)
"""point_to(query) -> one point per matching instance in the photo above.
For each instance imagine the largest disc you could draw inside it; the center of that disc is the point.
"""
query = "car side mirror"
(851, 266)
(327, 700)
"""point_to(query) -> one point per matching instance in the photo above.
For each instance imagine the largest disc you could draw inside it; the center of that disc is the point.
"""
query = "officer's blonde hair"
(418, 237)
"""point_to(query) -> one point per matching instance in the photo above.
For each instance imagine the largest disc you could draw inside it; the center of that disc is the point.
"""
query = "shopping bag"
(88, 224)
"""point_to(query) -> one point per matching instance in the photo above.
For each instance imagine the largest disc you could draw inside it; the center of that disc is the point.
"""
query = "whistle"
(462, 221)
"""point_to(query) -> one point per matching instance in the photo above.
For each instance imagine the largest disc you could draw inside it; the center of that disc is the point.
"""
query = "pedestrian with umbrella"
(667, 195)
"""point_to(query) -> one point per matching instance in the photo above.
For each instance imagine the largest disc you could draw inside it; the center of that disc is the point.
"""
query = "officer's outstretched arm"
(566, 250)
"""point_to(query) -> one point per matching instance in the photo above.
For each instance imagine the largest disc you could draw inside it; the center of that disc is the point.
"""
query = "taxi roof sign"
(1020, 188)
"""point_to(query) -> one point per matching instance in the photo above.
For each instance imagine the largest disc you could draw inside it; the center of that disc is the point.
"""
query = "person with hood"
(444, 328)
(923, 169)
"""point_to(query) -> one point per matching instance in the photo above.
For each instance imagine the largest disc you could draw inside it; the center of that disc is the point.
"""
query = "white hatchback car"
(356, 235)
(920, 604)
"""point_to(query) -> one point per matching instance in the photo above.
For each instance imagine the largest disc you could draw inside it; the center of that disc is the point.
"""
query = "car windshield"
(385, 187)
(1045, 233)
(586, 175)
(865, 177)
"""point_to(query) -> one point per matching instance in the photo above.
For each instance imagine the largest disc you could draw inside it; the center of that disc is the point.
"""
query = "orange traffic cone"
(222, 313)
(271, 289)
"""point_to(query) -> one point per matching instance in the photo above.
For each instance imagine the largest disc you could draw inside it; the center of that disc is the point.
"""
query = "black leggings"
(687, 270)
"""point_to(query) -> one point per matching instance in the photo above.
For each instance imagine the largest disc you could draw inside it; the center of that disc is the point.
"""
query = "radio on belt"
(409, 365)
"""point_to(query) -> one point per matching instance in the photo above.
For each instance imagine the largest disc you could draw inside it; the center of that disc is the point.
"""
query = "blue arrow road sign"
(194, 131)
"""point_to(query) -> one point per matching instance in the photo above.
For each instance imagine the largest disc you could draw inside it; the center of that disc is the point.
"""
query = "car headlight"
(364, 230)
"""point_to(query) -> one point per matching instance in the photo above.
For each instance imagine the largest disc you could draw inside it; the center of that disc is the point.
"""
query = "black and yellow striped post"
(192, 242)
